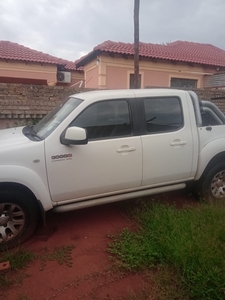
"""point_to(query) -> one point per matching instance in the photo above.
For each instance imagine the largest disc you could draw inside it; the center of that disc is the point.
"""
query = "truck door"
(167, 140)
(111, 162)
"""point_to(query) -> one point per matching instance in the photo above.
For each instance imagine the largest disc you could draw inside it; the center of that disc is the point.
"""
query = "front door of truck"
(111, 162)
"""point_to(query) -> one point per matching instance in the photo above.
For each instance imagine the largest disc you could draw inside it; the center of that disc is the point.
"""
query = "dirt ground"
(89, 274)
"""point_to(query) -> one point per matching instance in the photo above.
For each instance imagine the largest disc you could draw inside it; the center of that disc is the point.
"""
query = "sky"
(70, 29)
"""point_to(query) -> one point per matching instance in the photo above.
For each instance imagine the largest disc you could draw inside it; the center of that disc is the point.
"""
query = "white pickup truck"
(103, 146)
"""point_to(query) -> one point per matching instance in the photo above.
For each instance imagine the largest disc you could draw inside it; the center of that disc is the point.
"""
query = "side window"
(209, 118)
(163, 114)
(183, 83)
(105, 119)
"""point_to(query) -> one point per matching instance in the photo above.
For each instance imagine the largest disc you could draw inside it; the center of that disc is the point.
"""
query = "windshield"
(55, 117)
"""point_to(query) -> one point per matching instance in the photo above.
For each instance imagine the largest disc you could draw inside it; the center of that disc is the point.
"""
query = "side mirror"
(74, 136)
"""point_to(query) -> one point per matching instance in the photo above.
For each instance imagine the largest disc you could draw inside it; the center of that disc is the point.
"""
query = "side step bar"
(115, 198)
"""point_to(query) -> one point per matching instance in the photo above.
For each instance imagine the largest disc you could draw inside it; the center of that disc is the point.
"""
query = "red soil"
(91, 275)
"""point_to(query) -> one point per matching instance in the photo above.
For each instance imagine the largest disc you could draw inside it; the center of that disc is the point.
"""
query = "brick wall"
(21, 102)
(216, 96)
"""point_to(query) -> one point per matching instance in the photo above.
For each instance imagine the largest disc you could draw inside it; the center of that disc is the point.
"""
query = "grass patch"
(60, 254)
(8, 280)
(23, 297)
(5, 281)
(188, 242)
(18, 258)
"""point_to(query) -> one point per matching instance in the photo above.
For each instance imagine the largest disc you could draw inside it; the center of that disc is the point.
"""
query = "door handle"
(178, 143)
(125, 149)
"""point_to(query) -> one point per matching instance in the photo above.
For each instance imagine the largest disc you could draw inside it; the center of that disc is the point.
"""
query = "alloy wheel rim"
(218, 185)
(12, 221)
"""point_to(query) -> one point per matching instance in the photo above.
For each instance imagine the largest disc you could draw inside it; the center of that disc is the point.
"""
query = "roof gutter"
(88, 58)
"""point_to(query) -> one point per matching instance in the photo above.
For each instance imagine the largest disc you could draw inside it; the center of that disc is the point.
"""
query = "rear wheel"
(18, 218)
(212, 185)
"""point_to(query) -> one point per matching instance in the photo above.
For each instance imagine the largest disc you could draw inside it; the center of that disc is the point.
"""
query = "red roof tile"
(14, 51)
(70, 65)
(190, 52)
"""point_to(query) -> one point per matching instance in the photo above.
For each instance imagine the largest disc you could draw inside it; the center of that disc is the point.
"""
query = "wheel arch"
(29, 180)
(218, 158)
(24, 189)
(16, 186)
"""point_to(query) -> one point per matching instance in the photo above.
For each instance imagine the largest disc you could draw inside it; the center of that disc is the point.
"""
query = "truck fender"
(30, 179)
(210, 153)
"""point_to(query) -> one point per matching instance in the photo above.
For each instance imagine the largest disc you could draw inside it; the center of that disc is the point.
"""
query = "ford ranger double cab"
(104, 146)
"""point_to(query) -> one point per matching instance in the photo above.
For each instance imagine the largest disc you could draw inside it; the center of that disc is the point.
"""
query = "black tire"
(19, 213)
(211, 187)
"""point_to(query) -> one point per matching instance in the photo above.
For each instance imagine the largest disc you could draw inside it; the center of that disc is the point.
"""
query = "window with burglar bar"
(183, 83)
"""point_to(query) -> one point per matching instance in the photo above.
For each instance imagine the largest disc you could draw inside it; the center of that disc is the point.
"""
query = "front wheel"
(18, 218)
(212, 186)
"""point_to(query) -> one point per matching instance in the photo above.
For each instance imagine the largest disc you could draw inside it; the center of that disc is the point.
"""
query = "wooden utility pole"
(136, 43)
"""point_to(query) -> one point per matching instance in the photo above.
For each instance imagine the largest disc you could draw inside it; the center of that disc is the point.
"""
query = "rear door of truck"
(167, 139)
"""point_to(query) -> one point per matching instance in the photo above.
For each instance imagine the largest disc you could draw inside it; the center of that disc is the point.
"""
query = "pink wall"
(114, 72)
(21, 72)
(116, 78)
(91, 80)
(156, 78)
(33, 73)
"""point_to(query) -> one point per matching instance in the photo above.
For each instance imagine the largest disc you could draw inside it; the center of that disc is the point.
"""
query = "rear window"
(163, 114)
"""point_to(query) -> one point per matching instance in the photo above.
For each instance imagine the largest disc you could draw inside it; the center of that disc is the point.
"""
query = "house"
(19, 64)
(110, 65)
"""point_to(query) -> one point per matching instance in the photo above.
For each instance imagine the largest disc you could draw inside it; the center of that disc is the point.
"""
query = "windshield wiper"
(147, 121)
